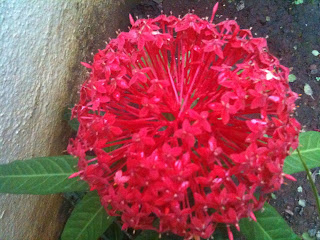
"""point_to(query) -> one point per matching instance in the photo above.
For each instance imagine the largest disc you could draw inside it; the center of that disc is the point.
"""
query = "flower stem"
(313, 186)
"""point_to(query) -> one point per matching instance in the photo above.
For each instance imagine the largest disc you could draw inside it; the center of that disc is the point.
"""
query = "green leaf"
(148, 235)
(269, 226)
(153, 235)
(88, 221)
(73, 123)
(292, 78)
(113, 233)
(220, 232)
(44, 175)
(310, 151)
(305, 236)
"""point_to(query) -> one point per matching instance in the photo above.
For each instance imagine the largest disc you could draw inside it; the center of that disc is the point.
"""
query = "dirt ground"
(293, 32)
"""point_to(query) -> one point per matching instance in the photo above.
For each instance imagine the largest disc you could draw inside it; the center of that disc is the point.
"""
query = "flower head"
(186, 120)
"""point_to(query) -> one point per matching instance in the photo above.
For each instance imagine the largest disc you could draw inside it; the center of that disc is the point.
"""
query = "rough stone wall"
(41, 46)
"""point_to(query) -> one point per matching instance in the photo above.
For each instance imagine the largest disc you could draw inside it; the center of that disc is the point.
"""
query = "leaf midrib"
(264, 231)
(259, 225)
(36, 175)
(305, 151)
(86, 226)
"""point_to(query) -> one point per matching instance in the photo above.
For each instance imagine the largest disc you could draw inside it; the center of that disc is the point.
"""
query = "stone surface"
(41, 46)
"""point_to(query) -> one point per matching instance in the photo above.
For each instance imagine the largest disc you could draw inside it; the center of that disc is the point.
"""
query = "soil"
(293, 32)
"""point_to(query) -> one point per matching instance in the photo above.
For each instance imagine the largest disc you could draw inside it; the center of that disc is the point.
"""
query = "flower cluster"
(182, 122)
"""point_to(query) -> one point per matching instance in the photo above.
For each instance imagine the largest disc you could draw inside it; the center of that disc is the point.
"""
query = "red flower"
(186, 120)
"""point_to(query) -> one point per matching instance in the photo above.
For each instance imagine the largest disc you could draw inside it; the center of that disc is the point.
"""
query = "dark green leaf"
(113, 233)
(269, 226)
(153, 235)
(170, 236)
(148, 235)
(73, 123)
(88, 221)
(169, 116)
(221, 232)
(44, 175)
(310, 151)
(112, 148)
(220, 235)
(194, 103)
(74, 197)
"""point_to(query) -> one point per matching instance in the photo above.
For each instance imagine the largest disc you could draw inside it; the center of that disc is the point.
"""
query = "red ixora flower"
(182, 121)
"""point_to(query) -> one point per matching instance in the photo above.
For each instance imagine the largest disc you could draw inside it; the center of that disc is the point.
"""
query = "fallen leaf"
(307, 90)
(302, 202)
(315, 53)
(292, 77)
